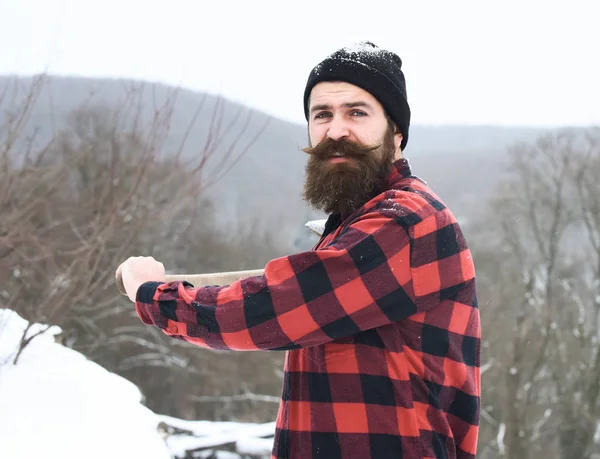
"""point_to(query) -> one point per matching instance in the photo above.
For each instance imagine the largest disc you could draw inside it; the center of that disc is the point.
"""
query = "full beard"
(346, 186)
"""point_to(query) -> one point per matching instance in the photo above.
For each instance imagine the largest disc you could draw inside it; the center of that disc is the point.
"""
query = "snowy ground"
(248, 439)
(57, 404)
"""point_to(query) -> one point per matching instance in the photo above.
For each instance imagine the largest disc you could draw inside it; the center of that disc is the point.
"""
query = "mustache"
(330, 147)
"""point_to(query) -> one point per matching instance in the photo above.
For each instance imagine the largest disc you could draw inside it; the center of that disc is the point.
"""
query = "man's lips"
(338, 159)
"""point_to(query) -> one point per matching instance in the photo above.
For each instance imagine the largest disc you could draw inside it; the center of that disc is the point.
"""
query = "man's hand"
(136, 270)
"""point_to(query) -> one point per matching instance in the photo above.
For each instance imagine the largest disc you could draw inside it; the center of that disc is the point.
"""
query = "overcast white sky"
(515, 62)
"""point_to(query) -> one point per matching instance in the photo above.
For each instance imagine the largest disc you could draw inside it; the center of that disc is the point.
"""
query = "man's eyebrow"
(346, 105)
(357, 104)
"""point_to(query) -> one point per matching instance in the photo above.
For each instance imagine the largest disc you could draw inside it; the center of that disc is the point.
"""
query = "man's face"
(352, 147)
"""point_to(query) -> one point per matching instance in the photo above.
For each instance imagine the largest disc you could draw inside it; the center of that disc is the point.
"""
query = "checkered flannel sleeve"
(378, 270)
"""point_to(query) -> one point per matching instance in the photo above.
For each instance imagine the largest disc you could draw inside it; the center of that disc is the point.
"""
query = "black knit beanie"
(373, 69)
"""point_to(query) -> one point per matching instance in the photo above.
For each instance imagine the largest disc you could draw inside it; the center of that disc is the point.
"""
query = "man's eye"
(322, 115)
(358, 113)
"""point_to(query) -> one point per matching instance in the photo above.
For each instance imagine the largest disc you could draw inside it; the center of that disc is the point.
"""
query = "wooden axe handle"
(203, 280)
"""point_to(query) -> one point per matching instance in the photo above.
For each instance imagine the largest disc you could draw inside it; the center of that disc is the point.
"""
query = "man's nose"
(337, 129)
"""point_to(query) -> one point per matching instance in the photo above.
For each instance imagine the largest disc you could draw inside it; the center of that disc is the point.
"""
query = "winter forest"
(84, 185)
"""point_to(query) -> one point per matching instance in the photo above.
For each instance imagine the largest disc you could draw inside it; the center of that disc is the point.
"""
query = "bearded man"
(379, 320)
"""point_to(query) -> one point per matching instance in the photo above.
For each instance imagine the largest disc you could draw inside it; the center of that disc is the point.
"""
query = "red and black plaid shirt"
(380, 323)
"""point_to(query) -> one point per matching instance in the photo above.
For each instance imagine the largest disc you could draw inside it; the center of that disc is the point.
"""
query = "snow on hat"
(373, 69)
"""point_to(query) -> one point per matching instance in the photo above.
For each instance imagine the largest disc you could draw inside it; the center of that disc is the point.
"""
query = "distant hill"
(459, 162)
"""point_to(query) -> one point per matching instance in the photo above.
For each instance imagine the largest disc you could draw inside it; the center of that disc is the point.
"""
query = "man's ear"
(397, 142)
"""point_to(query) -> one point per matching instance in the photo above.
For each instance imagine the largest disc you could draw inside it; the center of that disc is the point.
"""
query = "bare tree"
(537, 251)
(103, 186)
(100, 189)
(577, 356)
